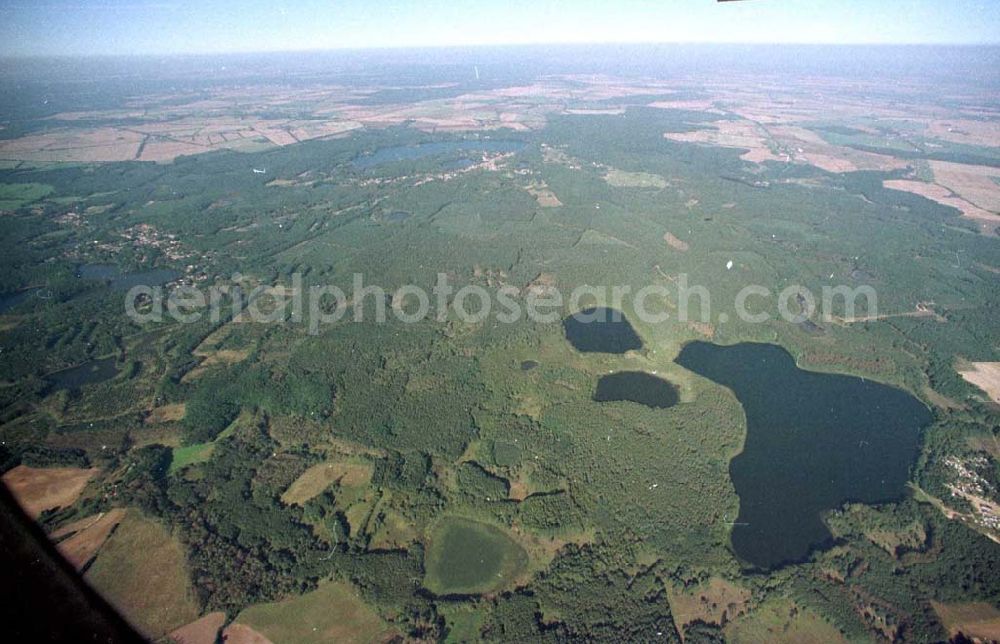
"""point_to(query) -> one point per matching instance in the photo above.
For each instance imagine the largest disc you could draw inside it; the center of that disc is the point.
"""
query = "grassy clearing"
(973, 619)
(331, 613)
(911, 537)
(40, 489)
(211, 353)
(622, 179)
(468, 557)
(675, 243)
(591, 237)
(543, 195)
(142, 570)
(170, 413)
(15, 195)
(168, 435)
(349, 473)
(714, 602)
(226, 356)
(542, 549)
(358, 512)
(783, 621)
(988, 444)
(186, 455)
(939, 400)
(189, 455)
(464, 623)
(394, 532)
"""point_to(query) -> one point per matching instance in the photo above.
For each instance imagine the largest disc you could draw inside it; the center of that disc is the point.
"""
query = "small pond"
(638, 387)
(7, 302)
(466, 557)
(115, 279)
(601, 330)
(88, 373)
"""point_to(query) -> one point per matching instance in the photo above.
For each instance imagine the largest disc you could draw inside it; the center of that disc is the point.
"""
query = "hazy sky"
(201, 26)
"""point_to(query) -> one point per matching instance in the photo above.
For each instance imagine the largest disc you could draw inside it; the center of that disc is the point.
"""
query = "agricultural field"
(142, 570)
(201, 631)
(48, 488)
(978, 620)
(84, 537)
(296, 467)
(331, 613)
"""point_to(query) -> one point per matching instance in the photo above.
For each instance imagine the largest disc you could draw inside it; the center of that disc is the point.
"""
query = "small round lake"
(814, 442)
(116, 280)
(638, 387)
(601, 330)
(88, 373)
(8, 302)
(466, 557)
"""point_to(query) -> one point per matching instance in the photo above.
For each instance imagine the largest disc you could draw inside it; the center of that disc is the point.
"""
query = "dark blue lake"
(7, 302)
(814, 442)
(88, 373)
(601, 330)
(115, 279)
(638, 387)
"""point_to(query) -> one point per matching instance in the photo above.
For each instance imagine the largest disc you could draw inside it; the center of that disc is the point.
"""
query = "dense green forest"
(620, 508)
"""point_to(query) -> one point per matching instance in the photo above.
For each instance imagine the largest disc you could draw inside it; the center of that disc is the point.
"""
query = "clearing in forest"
(985, 375)
(331, 613)
(974, 619)
(348, 472)
(783, 621)
(675, 243)
(716, 601)
(622, 179)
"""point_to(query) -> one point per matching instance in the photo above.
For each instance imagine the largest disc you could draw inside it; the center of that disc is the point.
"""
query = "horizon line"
(421, 47)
